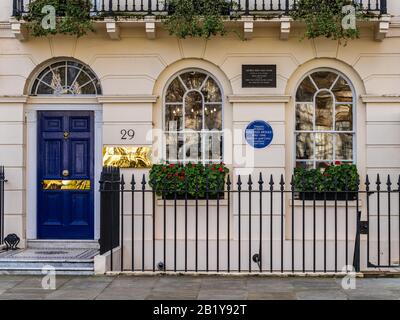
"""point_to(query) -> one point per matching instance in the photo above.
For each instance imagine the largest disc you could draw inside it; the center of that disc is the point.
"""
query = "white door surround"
(31, 160)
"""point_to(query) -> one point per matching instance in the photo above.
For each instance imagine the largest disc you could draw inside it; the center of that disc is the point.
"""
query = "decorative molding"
(382, 27)
(380, 99)
(65, 99)
(19, 30)
(113, 29)
(259, 98)
(248, 27)
(128, 99)
(15, 99)
(150, 26)
(285, 28)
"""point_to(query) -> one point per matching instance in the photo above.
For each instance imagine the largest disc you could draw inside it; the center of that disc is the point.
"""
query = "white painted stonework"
(135, 62)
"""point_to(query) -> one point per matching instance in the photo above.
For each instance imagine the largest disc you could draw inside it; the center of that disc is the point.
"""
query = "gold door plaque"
(66, 184)
(127, 157)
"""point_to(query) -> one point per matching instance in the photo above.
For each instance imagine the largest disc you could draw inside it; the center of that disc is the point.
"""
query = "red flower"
(164, 168)
(171, 165)
(182, 178)
(338, 163)
(169, 175)
(213, 168)
(193, 165)
(220, 169)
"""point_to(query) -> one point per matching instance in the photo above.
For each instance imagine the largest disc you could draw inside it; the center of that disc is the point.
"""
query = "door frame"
(31, 114)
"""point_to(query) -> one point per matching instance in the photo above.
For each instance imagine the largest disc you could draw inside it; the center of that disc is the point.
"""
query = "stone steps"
(62, 244)
(64, 259)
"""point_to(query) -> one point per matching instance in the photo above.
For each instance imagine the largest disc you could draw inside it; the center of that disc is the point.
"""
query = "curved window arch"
(193, 107)
(66, 77)
(324, 125)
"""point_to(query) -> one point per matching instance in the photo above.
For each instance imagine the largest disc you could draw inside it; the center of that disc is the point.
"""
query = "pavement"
(197, 287)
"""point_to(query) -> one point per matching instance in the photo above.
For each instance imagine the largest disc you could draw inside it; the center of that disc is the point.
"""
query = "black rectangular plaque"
(259, 76)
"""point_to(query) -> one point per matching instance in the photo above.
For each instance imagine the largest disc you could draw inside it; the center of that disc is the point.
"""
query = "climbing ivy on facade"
(72, 18)
(327, 18)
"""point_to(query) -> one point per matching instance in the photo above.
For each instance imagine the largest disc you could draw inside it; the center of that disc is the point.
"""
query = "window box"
(195, 180)
(331, 183)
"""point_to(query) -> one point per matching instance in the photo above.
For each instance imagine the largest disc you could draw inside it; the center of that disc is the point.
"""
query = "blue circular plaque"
(259, 134)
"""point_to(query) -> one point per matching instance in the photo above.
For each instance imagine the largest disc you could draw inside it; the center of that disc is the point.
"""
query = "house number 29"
(127, 134)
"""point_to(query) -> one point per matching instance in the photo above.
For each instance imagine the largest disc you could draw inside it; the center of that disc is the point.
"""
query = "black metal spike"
(228, 183)
(367, 183)
(389, 183)
(271, 182)
(144, 182)
(260, 182)
(250, 182)
(378, 182)
(282, 183)
(239, 183)
(133, 182)
(122, 182)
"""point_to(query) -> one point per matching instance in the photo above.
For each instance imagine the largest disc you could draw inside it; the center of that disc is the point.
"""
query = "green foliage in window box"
(197, 18)
(323, 18)
(335, 178)
(167, 178)
(72, 17)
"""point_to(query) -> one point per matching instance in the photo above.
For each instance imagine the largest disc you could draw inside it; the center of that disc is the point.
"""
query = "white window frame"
(203, 132)
(333, 132)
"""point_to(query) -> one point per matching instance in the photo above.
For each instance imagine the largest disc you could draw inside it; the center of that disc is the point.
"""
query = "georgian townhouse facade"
(70, 105)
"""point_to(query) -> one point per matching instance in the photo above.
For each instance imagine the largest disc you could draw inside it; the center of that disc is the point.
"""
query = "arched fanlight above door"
(66, 77)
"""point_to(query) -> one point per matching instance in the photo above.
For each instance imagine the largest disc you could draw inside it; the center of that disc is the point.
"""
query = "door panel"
(65, 175)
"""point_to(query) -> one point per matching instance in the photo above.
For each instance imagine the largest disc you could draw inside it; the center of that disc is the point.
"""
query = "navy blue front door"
(65, 175)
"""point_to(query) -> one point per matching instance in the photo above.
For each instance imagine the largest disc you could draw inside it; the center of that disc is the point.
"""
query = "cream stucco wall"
(134, 70)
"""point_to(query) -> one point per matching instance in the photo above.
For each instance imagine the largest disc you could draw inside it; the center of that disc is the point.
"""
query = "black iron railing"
(263, 227)
(150, 7)
(2, 181)
(109, 210)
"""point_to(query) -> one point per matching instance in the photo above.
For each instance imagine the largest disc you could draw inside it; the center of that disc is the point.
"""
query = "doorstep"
(66, 261)
(63, 244)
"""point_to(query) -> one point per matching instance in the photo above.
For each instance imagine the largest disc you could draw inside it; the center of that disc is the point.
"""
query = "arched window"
(193, 119)
(325, 132)
(66, 77)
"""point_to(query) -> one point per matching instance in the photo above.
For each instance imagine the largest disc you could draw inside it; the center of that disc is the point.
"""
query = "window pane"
(194, 111)
(175, 91)
(213, 146)
(344, 146)
(304, 117)
(80, 81)
(193, 147)
(324, 111)
(193, 80)
(306, 91)
(72, 72)
(324, 79)
(43, 89)
(213, 117)
(323, 146)
(87, 89)
(304, 146)
(342, 91)
(344, 117)
(173, 118)
(174, 146)
(211, 91)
